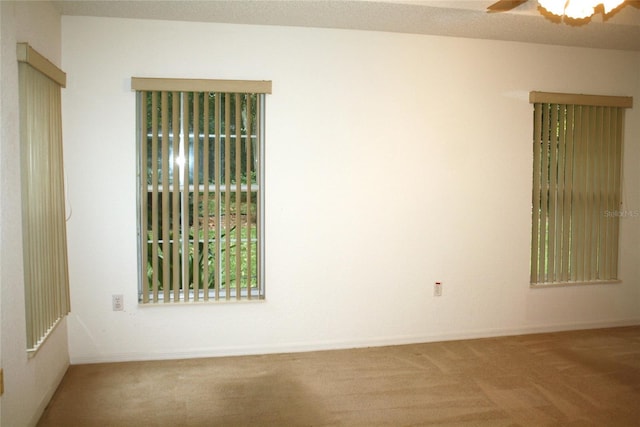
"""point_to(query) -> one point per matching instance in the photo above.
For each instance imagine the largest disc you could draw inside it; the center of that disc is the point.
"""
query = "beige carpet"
(583, 378)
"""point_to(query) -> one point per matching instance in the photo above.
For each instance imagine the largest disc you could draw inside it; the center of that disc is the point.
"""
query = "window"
(201, 166)
(46, 274)
(577, 156)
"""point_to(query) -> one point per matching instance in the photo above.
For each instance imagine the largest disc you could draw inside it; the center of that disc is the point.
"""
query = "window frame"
(551, 101)
(45, 257)
(219, 87)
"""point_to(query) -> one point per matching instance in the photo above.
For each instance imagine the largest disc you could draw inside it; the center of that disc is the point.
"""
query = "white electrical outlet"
(117, 302)
(437, 289)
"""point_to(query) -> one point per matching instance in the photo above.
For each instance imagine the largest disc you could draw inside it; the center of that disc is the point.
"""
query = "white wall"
(29, 382)
(393, 161)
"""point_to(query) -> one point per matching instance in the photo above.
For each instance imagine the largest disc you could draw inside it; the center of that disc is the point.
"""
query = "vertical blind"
(43, 198)
(200, 150)
(577, 155)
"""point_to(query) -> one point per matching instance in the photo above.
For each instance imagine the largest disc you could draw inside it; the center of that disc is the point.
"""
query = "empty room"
(220, 213)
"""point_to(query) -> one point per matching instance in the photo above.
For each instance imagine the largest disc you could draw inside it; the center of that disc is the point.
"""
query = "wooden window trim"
(200, 85)
(578, 99)
(26, 53)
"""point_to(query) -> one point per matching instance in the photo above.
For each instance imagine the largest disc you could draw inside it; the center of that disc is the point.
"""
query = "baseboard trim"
(341, 345)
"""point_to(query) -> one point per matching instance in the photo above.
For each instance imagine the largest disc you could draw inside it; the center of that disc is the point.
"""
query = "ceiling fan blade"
(504, 5)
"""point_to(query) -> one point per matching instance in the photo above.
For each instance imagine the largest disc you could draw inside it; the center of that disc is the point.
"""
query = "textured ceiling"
(459, 18)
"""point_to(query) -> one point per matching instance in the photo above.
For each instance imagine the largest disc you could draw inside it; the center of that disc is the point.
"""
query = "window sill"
(566, 284)
(31, 352)
(211, 301)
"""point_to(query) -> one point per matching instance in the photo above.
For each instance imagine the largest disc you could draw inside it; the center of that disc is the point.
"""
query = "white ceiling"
(620, 30)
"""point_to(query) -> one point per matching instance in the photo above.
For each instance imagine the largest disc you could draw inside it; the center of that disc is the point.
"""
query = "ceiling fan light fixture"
(554, 6)
(578, 9)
